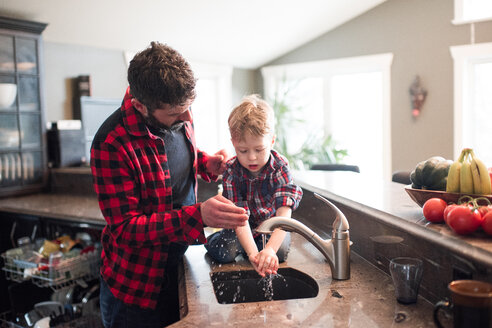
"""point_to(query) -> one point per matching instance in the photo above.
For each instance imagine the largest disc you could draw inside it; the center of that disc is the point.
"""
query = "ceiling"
(241, 33)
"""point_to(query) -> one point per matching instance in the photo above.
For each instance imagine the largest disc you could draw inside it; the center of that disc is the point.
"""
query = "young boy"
(257, 179)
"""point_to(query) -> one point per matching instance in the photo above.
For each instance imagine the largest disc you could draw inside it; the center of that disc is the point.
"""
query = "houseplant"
(316, 148)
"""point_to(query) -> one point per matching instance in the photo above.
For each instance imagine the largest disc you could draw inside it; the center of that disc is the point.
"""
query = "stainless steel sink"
(248, 286)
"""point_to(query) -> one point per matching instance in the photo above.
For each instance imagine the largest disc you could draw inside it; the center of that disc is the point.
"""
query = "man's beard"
(153, 122)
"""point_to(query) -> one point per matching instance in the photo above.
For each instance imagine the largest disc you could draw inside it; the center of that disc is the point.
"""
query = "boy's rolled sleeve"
(287, 193)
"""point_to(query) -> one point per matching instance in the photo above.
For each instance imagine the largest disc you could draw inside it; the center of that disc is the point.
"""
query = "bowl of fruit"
(420, 196)
(458, 193)
(437, 177)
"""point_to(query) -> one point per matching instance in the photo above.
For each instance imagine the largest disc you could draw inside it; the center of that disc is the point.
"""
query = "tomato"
(487, 223)
(484, 210)
(434, 209)
(447, 210)
(463, 219)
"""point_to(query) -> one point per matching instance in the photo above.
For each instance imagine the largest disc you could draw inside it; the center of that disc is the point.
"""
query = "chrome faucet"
(336, 250)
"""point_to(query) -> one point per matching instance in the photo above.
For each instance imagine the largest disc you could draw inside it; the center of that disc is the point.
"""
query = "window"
(472, 99)
(466, 11)
(212, 106)
(367, 108)
(346, 98)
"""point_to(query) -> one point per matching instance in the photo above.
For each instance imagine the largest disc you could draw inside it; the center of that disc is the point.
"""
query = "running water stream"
(267, 281)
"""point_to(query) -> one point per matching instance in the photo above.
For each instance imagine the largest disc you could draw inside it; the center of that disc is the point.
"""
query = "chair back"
(335, 167)
(401, 177)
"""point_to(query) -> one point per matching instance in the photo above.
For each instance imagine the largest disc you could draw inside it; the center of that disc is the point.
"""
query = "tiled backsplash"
(72, 180)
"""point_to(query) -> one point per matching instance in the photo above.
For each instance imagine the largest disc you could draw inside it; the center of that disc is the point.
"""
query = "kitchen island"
(365, 300)
(384, 223)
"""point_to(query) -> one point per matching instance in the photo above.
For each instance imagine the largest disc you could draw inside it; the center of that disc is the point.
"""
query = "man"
(145, 163)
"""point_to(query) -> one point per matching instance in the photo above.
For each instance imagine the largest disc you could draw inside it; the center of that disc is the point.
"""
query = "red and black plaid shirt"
(133, 184)
(263, 195)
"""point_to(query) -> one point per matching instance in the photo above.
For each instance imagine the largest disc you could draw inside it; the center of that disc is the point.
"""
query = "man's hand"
(219, 212)
(216, 163)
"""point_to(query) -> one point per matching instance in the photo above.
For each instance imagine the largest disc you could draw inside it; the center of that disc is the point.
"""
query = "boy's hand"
(266, 262)
(253, 259)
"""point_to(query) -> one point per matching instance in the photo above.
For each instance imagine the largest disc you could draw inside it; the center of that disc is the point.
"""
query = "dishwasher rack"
(21, 264)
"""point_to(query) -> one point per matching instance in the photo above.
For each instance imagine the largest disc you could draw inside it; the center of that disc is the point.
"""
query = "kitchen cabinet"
(23, 162)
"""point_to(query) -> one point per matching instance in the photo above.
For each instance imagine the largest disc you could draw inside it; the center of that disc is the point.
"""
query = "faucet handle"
(341, 223)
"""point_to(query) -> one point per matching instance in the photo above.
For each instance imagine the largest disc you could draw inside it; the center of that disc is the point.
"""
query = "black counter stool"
(401, 177)
(335, 167)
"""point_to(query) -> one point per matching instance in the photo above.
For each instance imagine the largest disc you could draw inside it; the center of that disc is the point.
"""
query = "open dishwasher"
(67, 267)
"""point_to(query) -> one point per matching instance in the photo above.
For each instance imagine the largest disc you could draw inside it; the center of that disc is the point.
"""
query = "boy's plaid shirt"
(263, 195)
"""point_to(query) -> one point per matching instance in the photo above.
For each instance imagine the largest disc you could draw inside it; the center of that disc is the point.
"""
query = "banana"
(453, 181)
(485, 177)
(481, 176)
(466, 176)
(477, 182)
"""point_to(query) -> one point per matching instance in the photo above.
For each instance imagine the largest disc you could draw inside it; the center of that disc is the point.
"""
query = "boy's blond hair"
(253, 115)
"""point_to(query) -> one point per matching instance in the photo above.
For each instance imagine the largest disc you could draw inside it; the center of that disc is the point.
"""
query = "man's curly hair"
(159, 74)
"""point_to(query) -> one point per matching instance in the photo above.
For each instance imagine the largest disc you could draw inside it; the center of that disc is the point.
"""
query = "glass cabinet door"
(32, 165)
(28, 93)
(8, 84)
(11, 169)
(23, 164)
(30, 131)
(21, 168)
(26, 52)
(9, 131)
(6, 54)
(8, 92)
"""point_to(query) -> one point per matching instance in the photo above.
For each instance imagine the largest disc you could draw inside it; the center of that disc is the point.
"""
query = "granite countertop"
(58, 206)
(387, 199)
(365, 300)
(388, 202)
(70, 198)
(367, 297)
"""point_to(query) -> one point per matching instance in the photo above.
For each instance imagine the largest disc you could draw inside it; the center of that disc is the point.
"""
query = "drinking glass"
(406, 273)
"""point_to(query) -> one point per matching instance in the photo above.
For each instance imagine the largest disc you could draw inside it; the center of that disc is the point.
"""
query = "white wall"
(63, 62)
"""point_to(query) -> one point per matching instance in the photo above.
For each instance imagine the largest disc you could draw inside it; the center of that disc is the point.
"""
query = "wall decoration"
(417, 96)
